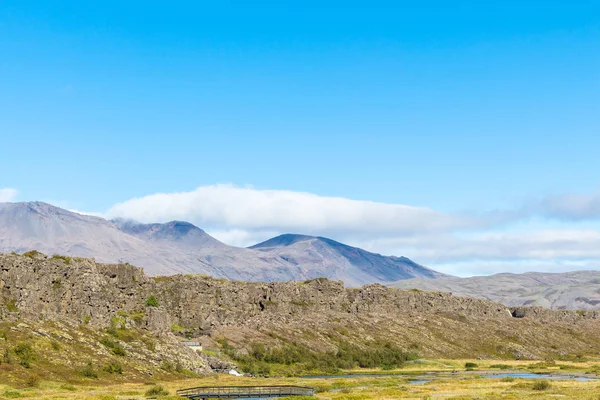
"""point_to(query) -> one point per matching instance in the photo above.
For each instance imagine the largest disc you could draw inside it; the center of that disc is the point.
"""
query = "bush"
(12, 394)
(33, 254)
(500, 366)
(65, 259)
(25, 353)
(470, 365)
(541, 385)
(88, 371)
(113, 346)
(156, 391)
(32, 381)
(301, 359)
(114, 367)
(152, 302)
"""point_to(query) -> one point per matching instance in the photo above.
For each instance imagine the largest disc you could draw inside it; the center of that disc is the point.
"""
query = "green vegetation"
(177, 328)
(541, 385)
(156, 391)
(65, 259)
(293, 359)
(113, 346)
(152, 302)
(470, 365)
(88, 371)
(11, 306)
(114, 367)
(12, 394)
(24, 351)
(33, 254)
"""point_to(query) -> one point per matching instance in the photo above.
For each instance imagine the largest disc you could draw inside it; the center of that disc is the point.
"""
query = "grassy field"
(464, 384)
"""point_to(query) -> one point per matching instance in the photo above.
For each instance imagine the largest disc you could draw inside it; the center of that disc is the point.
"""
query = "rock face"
(318, 313)
(180, 247)
(578, 290)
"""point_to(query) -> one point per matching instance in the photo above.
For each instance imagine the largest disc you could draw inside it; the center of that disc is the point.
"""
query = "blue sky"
(464, 108)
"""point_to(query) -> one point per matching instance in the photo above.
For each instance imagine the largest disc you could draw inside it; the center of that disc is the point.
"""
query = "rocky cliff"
(318, 314)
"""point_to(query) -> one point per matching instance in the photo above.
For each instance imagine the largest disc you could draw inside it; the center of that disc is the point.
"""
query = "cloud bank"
(572, 206)
(452, 243)
(7, 195)
(228, 206)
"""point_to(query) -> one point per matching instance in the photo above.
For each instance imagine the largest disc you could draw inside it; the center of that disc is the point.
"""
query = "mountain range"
(579, 290)
(180, 247)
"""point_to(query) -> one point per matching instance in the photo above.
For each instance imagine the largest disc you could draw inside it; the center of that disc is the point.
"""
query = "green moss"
(152, 301)
(11, 306)
(65, 259)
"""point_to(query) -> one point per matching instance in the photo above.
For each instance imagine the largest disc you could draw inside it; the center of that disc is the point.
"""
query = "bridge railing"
(206, 392)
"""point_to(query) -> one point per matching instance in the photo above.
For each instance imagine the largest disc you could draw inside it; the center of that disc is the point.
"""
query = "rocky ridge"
(318, 314)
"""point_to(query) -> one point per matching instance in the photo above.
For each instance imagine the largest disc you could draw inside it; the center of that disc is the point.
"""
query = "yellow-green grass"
(455, 387)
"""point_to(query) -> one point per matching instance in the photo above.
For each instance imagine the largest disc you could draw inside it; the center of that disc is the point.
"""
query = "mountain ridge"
(181, 247)
(574, 290)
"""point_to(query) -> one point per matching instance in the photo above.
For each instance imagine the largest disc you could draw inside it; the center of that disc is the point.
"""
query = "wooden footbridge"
(244, 392)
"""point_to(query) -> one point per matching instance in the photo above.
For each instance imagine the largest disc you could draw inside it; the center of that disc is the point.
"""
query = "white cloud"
(572, 206)
(223, 207)
(486, 248)
(451, 243)
(7, 195)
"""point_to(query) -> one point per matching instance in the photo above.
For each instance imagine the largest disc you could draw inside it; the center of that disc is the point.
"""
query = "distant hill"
(578, 290)
(180, 247)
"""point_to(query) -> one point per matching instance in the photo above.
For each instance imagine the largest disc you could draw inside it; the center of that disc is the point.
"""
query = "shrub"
(32, 381)
(302, 359)
(113, 346)
(114, 367)
(6, 356)
(152, 301)
(25, 353)
(156, 391)
(65, 259)
(177, 328)
(500, 366)
(12, 394)
(541, 385)
(32, 254)
(88, 371)
(470, 365)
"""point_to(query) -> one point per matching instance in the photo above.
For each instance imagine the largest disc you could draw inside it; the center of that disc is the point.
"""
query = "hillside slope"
(578, 290)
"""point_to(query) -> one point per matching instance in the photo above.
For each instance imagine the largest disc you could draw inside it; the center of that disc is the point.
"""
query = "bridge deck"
(244, 392)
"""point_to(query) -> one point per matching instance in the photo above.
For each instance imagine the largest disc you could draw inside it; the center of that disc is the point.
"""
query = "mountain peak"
(287, 239)
(175, 231)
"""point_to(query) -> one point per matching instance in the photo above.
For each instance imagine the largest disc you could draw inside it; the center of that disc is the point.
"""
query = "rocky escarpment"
(318, 313)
